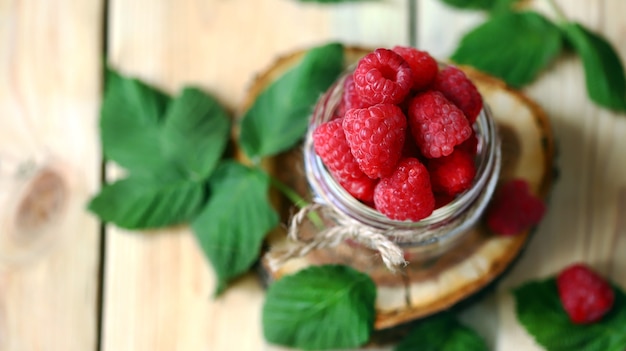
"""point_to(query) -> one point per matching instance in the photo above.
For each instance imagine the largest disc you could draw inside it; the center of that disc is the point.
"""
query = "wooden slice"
(426, 287)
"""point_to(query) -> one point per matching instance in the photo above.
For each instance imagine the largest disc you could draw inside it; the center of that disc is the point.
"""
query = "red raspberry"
(459, 89)
(406, 194)
(423, 66)
(437, 124)
(382, 77)
(584, 294)
(350, 98)
(452, 174)
(331, 146)
(376, 137)
(470, 145)
(514, 208)
(410, 148)
(442, 200)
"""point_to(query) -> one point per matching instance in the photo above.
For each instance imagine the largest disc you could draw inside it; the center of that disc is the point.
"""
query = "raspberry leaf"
(149, 134)
(130, 117)
(320, 308)
(279, 116)
(527, 43)
(540, 311)
(235, 220)
(442, 333)
(139, 202)
(480, 4)
(604, 73)
(195, 132)
(169, 146)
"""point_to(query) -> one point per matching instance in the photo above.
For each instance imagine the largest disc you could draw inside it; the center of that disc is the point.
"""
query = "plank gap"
(102, 230)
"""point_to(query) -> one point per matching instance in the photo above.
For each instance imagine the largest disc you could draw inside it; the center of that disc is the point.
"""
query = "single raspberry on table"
(376, 137)
(459, 89)
(585, 295)
(331, 146)
(382, 77)
(452, 174)
(423, 66)
(514, 208)
(406, 194)
(437, 124)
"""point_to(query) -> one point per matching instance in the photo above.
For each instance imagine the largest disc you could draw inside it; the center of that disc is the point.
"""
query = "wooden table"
(75, 285)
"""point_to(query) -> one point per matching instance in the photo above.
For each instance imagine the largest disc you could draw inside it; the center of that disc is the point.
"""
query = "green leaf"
(604, 73)
(195, 132)
(151, 136)
(514, 46)
(471, 4)
(320, 308)
(279, 116)
(442, 333)
(129, 124)
(138, 202)
(487, 5)
(539, 310)
(235, 220)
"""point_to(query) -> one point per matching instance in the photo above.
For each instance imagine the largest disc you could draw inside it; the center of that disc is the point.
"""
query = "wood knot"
(42, 202)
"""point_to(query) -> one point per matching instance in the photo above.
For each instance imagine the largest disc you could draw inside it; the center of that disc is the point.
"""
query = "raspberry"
(514, 208)
(584, 294)
(410, 148)
(452, 174)
(423, 66)
(470, 145)
(382, 76)
(331, 146)
(442, 199)
(376, 137)
(437, 124)
(350, 98)
(459, 89)
(406, 194)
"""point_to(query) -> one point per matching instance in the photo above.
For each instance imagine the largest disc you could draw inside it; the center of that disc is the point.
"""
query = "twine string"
(330, 236)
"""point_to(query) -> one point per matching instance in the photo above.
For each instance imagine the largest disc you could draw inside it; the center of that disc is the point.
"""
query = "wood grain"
(158, 286)
(586, 203)
(50, 55)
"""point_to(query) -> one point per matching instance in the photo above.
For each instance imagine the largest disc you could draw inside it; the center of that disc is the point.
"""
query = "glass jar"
(420, 241)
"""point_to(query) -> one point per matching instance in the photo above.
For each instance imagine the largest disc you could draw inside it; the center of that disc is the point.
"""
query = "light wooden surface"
(50, 162)
(156, 287)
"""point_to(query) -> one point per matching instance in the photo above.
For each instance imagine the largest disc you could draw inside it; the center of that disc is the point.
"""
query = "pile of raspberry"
(401, 139)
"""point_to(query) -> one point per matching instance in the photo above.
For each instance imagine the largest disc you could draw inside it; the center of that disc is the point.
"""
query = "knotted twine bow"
(330, 236)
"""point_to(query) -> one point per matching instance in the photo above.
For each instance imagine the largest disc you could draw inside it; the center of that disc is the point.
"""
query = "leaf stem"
(292, 195)
(297, 200)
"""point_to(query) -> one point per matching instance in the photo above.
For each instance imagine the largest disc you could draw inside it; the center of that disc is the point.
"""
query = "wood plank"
(588, 190)
(49, 167)
(158, 287)
(588, 203)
